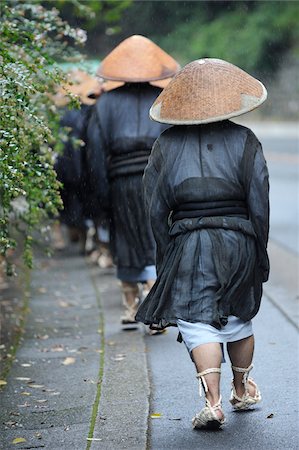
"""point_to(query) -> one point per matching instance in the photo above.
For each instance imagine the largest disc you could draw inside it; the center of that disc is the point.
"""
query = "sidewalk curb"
(282, 288)
(122, 419)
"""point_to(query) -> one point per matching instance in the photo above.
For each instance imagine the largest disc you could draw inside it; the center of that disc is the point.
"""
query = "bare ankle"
(213, 398)
(240, 389)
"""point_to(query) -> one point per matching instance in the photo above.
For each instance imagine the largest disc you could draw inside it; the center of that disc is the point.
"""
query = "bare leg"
(147, 287)
(57, 238)
(208, 356)
(240, 354)
(130, 296)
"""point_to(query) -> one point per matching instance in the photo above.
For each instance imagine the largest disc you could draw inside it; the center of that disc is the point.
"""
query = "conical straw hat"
(77, 76)
(83, 86)
(137, 60)
(110, 85)
(207, 90)
(88, 91)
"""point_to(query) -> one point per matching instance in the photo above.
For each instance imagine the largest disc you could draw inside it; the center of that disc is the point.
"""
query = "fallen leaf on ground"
(93, 439)
(175, 418)
(69, 360)
(22, 378)
(25, 393)
(156, 416)
(36, 386)
(3, 382)
(18, 440)
(57, 348)
(26, 365)
(10, 423)
(42, 290)
(88, 380)
(118, 357)
(270, 416)
(64, 304)
(43, 337)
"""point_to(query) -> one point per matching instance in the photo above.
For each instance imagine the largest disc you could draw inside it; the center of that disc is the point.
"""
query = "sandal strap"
(208, 415)
(200, 377)
(245, 371)
(217, 405)
(242, 369)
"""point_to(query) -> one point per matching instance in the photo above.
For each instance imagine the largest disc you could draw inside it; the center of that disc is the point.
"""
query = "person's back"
(203, 153)
(121, 135)
(206, 188)
(123, 113)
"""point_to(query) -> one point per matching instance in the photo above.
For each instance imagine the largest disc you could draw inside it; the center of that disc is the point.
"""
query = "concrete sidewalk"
(78, 382)
(52, 386)
(73, 358)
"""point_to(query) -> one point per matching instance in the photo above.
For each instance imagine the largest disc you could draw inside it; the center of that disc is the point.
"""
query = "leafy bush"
(31, 37)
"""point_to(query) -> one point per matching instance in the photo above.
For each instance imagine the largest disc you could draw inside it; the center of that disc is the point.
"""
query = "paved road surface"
(79, 383)
(174, 387)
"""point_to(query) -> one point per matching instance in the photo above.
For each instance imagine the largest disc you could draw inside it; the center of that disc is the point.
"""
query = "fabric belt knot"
(128, 163)
(190, 210)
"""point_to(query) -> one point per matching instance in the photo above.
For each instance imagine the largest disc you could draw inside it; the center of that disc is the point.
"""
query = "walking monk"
(206, 188)
(120, 137)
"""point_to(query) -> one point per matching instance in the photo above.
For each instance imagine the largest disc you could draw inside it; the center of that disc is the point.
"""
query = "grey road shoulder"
(282, 288)
(52, 384)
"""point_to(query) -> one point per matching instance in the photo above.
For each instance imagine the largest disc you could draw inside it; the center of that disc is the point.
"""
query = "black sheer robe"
(210, 266)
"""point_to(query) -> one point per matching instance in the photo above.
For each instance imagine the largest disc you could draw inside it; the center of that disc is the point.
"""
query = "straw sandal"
(128, 321)
(156, 331)
(207, 417)
(246, 401)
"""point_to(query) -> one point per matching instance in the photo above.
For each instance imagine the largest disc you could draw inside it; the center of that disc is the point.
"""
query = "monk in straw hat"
(206, 189)
(120, 137)
(70, 164)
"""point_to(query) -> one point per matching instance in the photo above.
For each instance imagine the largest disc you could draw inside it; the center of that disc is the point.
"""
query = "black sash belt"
(210, 209)
(128, 164)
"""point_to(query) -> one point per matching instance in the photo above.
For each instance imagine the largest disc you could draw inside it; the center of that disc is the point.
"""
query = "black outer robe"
(120, 137)
(208, 267)
(70, 167)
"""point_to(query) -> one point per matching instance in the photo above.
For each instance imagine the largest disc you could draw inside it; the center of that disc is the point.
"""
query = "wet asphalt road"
(79, 383)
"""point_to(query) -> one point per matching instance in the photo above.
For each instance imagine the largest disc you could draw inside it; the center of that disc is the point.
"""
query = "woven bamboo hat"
(81, 85)
(109, 85)
(137, 60)
(207, 90)
(88, 91)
